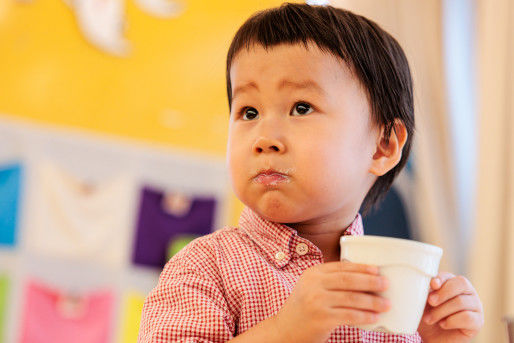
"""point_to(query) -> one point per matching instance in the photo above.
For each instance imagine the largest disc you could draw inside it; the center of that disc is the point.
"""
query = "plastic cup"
(408, 265)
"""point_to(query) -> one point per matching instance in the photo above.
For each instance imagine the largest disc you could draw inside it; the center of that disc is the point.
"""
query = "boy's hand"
(453, 312)
(329, 295)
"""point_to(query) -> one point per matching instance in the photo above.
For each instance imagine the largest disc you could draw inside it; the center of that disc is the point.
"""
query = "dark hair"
(373, 54)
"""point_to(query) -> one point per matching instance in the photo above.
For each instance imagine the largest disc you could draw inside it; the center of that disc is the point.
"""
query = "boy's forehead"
(284, 52)
(305, 84)
(287, 65)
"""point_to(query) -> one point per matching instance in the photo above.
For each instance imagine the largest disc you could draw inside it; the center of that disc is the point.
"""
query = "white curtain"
(492, 252)
(417, 25)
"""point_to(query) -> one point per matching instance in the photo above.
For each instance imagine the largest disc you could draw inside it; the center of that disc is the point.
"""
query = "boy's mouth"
(270, 177)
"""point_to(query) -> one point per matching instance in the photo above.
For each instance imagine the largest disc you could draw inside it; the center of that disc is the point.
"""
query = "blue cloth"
(10, 184)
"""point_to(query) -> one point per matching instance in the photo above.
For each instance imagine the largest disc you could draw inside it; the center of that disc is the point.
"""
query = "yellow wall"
(50, 73)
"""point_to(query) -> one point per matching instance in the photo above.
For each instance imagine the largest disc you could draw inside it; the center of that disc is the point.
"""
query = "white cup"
(409, 267)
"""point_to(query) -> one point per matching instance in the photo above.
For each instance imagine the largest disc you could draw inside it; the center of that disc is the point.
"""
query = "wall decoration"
(132, 309)
(103, 22)
(164, 216)
(10, 187)
(80, 209)
(79, 220)
(54, 316)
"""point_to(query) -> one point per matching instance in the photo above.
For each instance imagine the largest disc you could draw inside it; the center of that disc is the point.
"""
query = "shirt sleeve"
(187, 305)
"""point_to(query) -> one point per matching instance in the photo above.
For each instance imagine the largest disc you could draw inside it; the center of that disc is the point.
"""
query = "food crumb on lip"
(271, 179)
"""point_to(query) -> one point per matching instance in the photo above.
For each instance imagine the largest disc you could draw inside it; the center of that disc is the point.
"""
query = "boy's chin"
(277, 212)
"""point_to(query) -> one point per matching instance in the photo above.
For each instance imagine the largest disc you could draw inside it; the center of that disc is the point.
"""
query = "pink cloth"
(50, 316)
(222, 284)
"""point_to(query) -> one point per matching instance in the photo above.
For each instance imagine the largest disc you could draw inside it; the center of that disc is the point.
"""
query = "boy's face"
(321, 136)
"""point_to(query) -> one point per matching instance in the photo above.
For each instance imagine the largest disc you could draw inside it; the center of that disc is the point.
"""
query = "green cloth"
(178, 243)
(3, 306)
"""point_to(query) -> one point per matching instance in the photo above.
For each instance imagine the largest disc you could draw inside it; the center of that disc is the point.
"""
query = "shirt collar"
(274, 237)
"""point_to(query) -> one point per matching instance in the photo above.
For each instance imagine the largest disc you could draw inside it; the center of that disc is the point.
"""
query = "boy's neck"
(325, 234)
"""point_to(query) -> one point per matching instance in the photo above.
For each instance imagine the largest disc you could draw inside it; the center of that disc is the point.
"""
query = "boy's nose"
(265, 145)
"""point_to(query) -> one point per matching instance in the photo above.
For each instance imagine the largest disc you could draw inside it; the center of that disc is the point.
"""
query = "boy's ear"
(387, 156)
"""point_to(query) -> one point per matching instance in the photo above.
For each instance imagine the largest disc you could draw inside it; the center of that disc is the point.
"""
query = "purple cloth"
(156, 228)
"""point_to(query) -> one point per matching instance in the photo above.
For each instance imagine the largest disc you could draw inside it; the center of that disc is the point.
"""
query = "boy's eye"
(250, 111)
(302, 108)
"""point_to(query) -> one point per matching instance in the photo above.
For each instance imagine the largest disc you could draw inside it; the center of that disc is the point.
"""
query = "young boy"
(321, 122)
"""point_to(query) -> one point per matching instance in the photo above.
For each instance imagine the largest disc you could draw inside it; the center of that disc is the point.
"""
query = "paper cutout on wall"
(10, 186)
(161, 8)
(4, 289)
(159, 223)
(72, 219)
(102, 24)
(133, 307)
(54, 316)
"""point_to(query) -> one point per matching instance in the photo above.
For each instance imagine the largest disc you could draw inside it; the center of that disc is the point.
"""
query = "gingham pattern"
(222, 284)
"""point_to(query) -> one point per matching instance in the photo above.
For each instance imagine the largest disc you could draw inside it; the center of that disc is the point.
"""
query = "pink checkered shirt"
(222, 284)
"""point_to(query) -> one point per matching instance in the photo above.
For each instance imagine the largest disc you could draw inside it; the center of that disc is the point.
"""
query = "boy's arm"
(185, 306)
(325, 296)
(265, 331)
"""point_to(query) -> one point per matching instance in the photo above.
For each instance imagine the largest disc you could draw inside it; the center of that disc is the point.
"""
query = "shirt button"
(302, 249)
(280, 256)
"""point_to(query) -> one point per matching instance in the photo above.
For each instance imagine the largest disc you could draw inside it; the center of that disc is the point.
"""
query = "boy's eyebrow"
(283, 84)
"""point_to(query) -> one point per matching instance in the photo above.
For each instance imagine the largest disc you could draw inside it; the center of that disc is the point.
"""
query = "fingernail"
(433, 299)
(387, 304)
(373, 269)
(437, 282)
(428, 319)
(385, 282)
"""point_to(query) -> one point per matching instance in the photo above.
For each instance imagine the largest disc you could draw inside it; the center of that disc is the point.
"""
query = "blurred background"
(113, 126)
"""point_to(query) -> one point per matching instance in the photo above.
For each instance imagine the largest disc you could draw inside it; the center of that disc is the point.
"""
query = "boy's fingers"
(455, 305)
(359, 300)
(464, 320)
(440, 279)
(347, 266)
(435, 283)
(353, 316)
(354, 282)
(451, 288)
